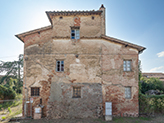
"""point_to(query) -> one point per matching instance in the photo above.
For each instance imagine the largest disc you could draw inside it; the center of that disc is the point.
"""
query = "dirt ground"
(156, 119)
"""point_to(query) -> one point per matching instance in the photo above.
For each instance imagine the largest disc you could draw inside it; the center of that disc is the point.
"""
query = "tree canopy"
(13, 74)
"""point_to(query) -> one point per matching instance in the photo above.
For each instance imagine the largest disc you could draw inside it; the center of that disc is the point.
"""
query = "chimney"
(103, 28)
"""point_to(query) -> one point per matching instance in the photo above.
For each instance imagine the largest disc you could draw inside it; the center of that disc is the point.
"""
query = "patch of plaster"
(131, 49)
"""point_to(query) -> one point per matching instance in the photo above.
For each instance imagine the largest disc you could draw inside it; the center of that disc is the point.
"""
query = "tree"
(151, 84)
(13, 73)
(139, 75)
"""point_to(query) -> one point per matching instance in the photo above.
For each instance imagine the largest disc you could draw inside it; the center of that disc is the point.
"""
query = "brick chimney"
(103, 28)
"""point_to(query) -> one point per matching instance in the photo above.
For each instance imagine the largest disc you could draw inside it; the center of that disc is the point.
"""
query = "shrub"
(3, 118)
(151, 104)
(151, 84)
(7, 93)
(9, 109)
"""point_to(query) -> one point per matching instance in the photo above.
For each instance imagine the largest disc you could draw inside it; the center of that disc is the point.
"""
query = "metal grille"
(35, 91)
(76, 92)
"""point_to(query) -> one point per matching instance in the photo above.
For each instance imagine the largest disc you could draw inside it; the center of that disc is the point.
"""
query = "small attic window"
(93, 17)
(75, 34)
(60, 17)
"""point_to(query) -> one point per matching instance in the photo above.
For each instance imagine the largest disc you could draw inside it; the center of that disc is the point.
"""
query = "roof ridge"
(69, 11)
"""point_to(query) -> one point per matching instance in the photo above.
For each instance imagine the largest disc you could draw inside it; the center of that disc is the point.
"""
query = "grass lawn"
(11, 108)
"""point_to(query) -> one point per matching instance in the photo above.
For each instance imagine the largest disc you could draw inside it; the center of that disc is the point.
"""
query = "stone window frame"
(75, 32)
(35, 91)
(128, 96)
(127, 68)
(60, 65)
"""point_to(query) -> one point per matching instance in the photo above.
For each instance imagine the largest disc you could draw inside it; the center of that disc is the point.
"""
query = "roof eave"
(49, 17)
(139, 48)
(19, 38)
(32, 32)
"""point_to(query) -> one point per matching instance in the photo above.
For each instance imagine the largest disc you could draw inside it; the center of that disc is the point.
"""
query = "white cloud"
(157, 69)
(161, 54)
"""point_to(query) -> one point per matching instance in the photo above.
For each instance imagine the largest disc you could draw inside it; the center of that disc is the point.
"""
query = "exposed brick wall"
(99, 72)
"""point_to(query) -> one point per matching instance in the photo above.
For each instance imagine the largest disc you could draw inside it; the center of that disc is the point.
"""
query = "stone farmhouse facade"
(160, 76)
(72, 68)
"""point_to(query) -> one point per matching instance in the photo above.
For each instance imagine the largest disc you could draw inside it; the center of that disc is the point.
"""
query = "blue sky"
(137, 21)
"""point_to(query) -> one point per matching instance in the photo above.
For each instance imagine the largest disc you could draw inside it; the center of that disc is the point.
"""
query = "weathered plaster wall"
(115, 79)
(88, 27)
(99, 73)
(64, 106)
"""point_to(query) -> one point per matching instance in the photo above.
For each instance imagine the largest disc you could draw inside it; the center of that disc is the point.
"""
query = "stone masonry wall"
(88, 26)
(61, 28)
(115, 79)
(99, 73)
(67, 107)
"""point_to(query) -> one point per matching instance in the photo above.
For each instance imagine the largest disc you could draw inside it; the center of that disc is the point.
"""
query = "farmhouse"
(71, 68)
(160, 76)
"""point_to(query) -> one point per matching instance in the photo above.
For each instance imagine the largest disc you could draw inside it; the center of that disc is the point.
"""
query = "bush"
(7, 104)
(151, 104)
(151, 84)
(3, 118)
(9, 109)
(7, 93)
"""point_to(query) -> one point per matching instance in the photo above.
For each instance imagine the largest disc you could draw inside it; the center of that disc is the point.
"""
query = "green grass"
(5, 105)
(11, 108)
(100, 120)
(14, 113)
(118, 119)
(145, 118)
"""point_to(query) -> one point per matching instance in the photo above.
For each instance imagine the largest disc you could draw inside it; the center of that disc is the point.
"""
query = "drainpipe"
(26, 90)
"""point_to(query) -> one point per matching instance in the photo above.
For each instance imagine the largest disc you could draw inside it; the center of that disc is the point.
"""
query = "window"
(127, 92)
(76, 92)
(127, 65)
(35, 91)
(75, 34)
(59, 66)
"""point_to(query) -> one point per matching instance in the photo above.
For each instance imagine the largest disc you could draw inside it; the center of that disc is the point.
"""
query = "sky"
(137, 21)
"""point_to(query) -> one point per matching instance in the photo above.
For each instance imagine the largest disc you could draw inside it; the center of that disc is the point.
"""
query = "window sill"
(128, 98)
(76, 97)
(128, 71)
(60, 71)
